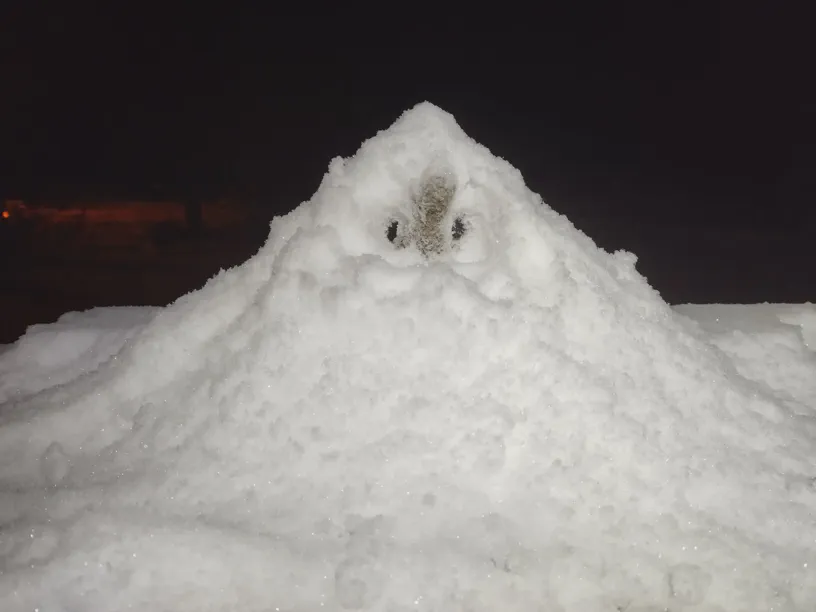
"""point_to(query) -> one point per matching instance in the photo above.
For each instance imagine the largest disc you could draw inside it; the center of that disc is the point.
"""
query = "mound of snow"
(771, 344)
(427, 391)
(56, 353)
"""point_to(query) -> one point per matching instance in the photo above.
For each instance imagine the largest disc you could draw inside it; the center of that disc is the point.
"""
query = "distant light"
(5, 214)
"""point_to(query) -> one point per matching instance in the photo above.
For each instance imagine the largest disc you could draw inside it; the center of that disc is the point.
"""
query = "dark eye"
(396, 233)
(458, 229)
(391, 231)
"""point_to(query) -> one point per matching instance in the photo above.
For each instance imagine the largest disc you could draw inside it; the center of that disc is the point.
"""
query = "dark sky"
(701, 112)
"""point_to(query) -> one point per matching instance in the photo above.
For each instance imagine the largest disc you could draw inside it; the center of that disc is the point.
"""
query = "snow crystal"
(427, 391)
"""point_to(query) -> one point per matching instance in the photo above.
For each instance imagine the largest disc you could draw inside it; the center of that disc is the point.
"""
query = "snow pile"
(428, 391)
(771, 344)
(53, 354)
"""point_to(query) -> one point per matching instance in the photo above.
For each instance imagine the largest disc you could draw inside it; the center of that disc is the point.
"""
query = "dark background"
(682, 131)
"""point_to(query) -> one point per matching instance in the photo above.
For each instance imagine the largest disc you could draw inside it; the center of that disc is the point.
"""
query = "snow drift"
(427, 391)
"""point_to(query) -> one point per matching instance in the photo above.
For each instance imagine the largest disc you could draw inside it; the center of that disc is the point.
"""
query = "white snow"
(57, 353)
(516, 421)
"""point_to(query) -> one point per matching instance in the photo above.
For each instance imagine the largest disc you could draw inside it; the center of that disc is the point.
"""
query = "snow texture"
(427, 391)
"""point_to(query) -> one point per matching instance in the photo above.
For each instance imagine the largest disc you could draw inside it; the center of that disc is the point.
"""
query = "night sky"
(666, 112)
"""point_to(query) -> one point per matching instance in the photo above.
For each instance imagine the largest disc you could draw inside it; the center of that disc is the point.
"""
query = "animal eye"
(458, 228)
(397, 234)
(391, 231)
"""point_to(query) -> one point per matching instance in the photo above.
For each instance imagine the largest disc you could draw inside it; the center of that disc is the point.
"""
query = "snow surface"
(57, 353)
(510, 420)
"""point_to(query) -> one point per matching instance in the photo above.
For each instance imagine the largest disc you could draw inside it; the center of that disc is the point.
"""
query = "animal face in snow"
(430, 222)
